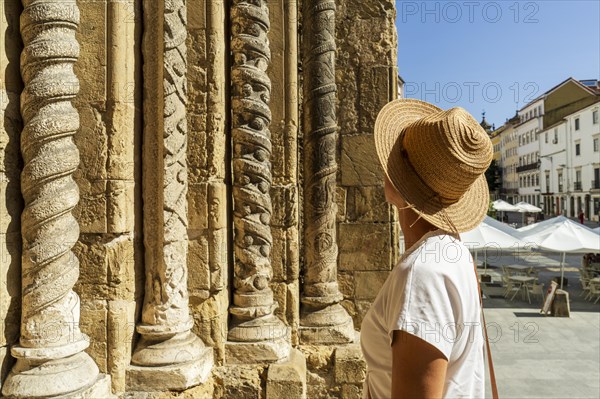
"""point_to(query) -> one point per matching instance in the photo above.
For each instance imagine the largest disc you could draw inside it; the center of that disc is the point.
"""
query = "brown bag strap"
(487, 342)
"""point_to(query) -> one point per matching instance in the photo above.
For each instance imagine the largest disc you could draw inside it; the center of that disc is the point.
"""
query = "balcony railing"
(595, 185)
(524, 168)
(577, 186)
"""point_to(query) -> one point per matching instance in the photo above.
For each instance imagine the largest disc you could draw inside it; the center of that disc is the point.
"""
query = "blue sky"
(494, 55)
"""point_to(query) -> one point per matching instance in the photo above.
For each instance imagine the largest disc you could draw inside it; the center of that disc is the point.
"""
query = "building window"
(555, 136)
(595, 117)
(577, 149)
(596, 143)
(576, 123)
(560, 182)
(546, 138)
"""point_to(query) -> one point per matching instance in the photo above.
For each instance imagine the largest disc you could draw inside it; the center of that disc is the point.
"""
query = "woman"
(422, 336)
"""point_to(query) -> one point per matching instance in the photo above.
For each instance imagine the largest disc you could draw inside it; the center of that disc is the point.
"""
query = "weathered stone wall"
(367, 80)
(111, 139)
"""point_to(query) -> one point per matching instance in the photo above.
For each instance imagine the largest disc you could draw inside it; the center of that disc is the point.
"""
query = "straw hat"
(436, 160)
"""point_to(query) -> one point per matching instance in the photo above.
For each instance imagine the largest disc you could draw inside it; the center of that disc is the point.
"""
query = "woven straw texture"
(436, 160)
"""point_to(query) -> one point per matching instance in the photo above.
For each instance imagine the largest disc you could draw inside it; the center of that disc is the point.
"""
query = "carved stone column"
(169, 356)
(322, 320)
(259, 334)
(50, 355)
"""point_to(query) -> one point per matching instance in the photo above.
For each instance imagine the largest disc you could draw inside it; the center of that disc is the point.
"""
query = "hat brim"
(464, 214)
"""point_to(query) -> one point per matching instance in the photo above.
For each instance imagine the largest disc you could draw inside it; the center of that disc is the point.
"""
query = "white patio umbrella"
(597, 230)
(503, 206)
(491, 234)
(561, 234)
(526, 207)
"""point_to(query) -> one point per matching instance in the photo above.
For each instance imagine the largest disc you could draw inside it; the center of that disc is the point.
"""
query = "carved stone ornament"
(50, 355)
(322, 320)
(169, 355)
(253, 304)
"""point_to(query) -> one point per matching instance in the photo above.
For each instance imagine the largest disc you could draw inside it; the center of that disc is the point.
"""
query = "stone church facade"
(191, 204)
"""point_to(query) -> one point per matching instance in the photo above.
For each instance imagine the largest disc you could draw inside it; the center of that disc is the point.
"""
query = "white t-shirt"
(431, 293)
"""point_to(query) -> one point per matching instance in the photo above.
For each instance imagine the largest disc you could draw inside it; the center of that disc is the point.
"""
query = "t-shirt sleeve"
(422, 307)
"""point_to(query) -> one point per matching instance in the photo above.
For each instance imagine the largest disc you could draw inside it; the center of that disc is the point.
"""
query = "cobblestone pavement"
(538, 356)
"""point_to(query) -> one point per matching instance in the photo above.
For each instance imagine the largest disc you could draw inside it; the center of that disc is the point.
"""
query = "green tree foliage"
(493, 175)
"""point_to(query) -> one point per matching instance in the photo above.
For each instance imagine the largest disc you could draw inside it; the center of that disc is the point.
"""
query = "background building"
(526, 132)
(568, 146)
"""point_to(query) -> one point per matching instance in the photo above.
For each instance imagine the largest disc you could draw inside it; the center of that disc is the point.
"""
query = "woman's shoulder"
(436, 254)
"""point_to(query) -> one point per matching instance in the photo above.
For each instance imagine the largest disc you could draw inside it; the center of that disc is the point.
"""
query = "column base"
(68, 377)
(177, 377)
(175, 362)
(327, 326)
(271, 351)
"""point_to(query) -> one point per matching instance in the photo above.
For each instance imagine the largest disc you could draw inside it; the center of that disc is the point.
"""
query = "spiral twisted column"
(322, 320)
(169, 355)
(253, 320)
(50, 356)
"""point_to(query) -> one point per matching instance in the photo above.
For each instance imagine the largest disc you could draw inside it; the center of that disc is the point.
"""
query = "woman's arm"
(418, 368)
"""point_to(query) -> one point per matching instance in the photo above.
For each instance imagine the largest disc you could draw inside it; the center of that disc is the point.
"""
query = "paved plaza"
(538, 356)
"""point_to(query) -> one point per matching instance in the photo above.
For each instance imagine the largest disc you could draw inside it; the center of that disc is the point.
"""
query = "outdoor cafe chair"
(537, 290)
(594, 292)
(585, 286)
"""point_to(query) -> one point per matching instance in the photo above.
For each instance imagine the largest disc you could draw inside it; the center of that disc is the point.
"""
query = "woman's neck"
(416, 232)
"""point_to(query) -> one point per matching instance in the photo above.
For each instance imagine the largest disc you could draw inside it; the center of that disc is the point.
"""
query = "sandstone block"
(217, 205)
(198, 269)
(280, 296)
(121, 327)
(377, 85)
(285, 206)
(350, 391)
(292, 254)
(318, 357)
(288, 380)
(119, 258)
(93, 268)
(279, 254)
(367, 204)
(241, 381)
(362, 307)
(346, 284)
(92, 141)
(91, 210)
(348, 98)
(90, 68)
(364, 246)
(120, 206)
(349, 365)
(368, 284)
(359, 163)
(218, 254)
(93, 323)
(197, 149)
(197, 197)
